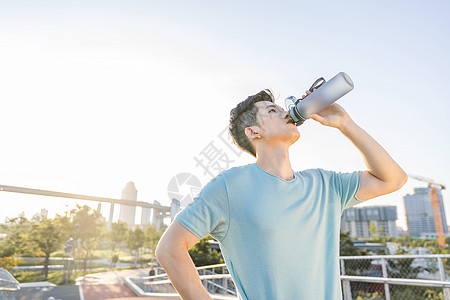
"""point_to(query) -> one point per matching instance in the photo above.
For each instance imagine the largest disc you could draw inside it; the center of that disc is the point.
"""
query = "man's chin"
(295, 137)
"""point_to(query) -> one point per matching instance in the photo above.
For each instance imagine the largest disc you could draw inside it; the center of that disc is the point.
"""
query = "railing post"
(443, 278)
(345, 283)
(385, 275)
(205, 281)
(225, 282)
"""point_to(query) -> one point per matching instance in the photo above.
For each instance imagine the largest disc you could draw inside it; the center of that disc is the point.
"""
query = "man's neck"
(276, 162)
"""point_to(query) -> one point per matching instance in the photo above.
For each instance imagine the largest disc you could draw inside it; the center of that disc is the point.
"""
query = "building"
(146, 216)
(420, 215)
(128, 213)
(356, 220)
(42, 215)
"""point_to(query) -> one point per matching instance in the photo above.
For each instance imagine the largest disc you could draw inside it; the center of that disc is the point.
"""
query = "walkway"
(108, 285)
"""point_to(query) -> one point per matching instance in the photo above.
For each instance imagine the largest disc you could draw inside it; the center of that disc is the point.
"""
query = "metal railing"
(215, 278)
(396, 277)
(8, 285)
(390, 277)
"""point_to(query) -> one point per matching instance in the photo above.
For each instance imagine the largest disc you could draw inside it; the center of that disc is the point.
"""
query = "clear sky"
(94, 94)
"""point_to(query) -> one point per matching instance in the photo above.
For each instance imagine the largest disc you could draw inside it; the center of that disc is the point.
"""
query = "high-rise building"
(420, 214)
(128, 213)
(146, 216)
(356, 220)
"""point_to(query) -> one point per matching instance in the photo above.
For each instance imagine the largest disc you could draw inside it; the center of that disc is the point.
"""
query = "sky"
(94, 94)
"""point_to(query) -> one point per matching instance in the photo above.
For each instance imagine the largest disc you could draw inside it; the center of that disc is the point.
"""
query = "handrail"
(218, 276)
(396, 256)
(198, 268)
(401, 281)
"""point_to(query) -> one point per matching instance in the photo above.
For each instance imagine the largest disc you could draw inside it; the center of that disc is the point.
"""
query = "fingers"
(317, 118)
(307, 93)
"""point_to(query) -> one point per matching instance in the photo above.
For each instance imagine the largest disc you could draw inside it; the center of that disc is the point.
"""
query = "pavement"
(61, 292)
(108, 285)
(98, 286)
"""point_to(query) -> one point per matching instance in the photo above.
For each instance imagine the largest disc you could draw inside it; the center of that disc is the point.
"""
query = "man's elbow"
(161, 251)
(402, 178)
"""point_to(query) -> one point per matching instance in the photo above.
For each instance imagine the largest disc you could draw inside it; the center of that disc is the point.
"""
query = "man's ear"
(252, 132)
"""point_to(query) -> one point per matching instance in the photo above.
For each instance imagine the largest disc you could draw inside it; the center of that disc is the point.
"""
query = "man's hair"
(243, 116)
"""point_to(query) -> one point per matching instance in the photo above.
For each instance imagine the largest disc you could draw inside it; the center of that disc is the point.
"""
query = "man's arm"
(383, 174)
(172, 254)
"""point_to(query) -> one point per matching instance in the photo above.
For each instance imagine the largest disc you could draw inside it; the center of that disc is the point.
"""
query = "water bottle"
(323, 93)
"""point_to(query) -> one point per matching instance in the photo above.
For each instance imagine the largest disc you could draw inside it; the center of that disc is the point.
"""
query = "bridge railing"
(8, 285)
(390, 277)
(215, 279)
(396, 277)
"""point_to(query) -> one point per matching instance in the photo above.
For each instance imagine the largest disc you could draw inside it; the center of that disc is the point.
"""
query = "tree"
(375, 233)
(8, 263)
(116, 237)
(202, 254)
(135, 241)
(88, 227)
(152, 237)
(18, 237)
(49, 235)
(346, 247)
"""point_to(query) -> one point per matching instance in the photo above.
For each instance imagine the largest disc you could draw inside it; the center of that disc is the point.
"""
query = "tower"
(128, 213)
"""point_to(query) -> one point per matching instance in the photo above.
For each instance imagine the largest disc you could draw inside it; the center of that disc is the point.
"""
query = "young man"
(278, 229)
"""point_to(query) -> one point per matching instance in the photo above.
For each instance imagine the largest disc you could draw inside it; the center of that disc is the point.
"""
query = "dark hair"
(243, 116)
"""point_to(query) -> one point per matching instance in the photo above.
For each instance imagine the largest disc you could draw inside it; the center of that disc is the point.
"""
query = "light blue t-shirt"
(279, 239)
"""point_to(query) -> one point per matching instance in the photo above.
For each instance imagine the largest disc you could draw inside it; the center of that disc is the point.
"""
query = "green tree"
(8, 263)
(117, 235)
(346, 247)
(202, 254)
(6, 249)
(152, 237)
(135, 241)
(49, 235)
(376, 233)
(88, 229)
(18, 237)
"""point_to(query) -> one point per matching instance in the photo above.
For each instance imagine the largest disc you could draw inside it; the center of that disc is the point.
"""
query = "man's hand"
(383, 174)
(334, 115)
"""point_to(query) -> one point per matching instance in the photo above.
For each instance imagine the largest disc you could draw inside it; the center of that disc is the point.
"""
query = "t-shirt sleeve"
(346, 186)
(209, 212)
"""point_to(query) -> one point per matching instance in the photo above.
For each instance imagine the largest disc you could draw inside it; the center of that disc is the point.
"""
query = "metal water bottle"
(323, 93)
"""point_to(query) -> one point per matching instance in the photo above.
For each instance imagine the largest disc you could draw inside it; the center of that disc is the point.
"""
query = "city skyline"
(95, 95)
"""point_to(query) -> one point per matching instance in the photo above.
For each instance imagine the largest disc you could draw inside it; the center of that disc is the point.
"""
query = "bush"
(8, 263)
(203, 255)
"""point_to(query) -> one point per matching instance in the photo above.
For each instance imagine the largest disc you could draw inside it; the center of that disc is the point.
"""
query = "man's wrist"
(347, 125)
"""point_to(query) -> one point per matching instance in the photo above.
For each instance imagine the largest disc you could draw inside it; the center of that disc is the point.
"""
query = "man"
(278, 229)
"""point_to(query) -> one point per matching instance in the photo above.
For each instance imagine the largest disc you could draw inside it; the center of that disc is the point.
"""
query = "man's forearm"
(378, 162)
(183, 274)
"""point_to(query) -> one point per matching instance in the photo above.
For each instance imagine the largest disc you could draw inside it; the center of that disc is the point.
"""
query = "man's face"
(274, 123)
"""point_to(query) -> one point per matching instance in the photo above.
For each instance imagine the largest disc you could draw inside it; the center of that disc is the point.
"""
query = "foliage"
(135, 241)
(116, 238)
(18, 232)
(56, 277)
(202, 254)
(415, 292)
(370, 296)
(8, 263)
(375, 233)
(346, 247)
(49, 235)
(152, 237)
(6, 249)
(88, 228)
